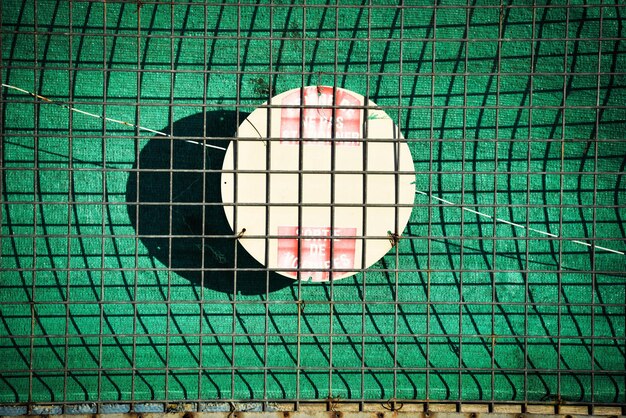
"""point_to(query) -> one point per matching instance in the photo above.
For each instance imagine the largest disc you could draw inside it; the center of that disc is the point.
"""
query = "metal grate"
(121, 283)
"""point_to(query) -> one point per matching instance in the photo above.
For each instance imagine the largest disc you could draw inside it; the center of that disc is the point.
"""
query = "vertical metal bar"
(205, 78)
(104, 199)
(333, 150)
(2, 100)
(462, 227)
(494, 242)
(137, 144)
(397, 143)
(534, 44)
(364, 179)
(300, 182)
(235, 207)
(431, 174)
(561, 189)
(592, 249)
(268, 166)
(170, 206)
(36, 105)
(2, 108)
(70, 179)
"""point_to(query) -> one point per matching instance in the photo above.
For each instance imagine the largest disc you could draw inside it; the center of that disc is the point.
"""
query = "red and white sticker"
(317, 123)
(315, 249)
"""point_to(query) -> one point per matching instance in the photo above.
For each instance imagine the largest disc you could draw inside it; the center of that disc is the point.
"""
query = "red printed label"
(315, 249)
(317, 123)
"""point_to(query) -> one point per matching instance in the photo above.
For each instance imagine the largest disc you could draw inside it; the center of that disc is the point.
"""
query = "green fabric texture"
(94, 307)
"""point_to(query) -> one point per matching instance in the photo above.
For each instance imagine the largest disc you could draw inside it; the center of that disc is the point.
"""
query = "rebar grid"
(121, 281)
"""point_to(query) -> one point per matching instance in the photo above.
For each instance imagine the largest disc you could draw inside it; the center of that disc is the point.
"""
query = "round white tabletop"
(317, 200)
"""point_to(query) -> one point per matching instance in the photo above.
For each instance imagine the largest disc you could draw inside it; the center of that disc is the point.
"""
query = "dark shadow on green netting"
(439, 179)
(587, 154)
(209, 261)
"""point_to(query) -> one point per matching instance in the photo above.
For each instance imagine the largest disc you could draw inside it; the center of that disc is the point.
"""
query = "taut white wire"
(484, 215)
(93, 115)
(447, 202)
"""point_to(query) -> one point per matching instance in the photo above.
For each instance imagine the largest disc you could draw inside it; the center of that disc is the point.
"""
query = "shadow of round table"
(203, 255)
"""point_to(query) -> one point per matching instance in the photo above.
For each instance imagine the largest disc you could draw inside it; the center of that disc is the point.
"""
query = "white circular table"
(325, 204)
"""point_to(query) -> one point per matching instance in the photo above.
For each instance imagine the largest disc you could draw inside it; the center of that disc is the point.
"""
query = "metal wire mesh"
(121, 282)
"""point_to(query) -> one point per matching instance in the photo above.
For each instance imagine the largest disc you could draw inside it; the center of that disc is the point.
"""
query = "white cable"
(447, 202)
(93, 115)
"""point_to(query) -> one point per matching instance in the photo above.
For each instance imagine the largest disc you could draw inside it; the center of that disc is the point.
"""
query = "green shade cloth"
(516, 112)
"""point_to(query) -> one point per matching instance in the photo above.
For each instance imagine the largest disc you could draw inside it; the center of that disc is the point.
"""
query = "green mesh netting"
(92, 308)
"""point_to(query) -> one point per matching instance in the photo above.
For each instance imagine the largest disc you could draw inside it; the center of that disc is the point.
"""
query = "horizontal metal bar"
(26, 29)
(444, 337)
(152, 102)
